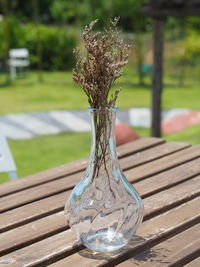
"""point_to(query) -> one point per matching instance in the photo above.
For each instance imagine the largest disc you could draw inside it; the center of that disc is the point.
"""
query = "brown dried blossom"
(107, 53)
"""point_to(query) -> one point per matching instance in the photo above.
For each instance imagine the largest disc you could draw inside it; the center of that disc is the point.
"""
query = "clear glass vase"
(104, 209)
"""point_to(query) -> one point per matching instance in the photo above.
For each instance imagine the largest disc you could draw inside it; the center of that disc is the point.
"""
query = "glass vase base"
(104, 241)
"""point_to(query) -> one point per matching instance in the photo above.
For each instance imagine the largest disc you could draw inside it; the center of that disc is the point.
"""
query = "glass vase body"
(104, 209)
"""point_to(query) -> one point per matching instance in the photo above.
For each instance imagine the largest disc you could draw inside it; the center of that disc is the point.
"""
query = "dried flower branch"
(107, 53)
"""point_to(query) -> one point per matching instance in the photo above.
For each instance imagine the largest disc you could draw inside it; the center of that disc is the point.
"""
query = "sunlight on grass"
(58, 91)
(45, 152)
(190, 135)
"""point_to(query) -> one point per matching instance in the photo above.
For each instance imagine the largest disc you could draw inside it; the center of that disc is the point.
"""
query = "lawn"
(58, 91)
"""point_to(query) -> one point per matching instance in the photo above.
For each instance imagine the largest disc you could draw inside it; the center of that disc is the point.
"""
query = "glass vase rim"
(110, 109)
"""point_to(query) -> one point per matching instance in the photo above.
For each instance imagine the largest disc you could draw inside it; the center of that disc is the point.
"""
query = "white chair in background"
(7, 163)
(19, 58)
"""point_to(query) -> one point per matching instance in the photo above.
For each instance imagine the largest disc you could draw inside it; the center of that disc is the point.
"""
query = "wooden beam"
(157, 83)
(151, 11)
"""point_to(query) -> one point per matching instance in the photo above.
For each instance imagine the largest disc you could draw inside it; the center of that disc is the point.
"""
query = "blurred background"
(36, 42)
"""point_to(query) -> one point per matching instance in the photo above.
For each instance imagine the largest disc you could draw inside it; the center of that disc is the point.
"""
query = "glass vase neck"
(103, 122)
(103, 156)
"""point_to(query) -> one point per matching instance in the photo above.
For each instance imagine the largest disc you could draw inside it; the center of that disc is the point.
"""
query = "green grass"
(190, 135)
(58, 91)
(45, 152)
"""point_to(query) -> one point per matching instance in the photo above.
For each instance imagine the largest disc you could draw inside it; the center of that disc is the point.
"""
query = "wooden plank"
(73, 167)
(169, 178)
(194, 263)
(169, 251)
(138, 145)
(171, 197)
(152, 205)
(185, 254)
(33, 211)
(66, 183)
(150, 11)
(36, 193)
(32, 232)
(165, 163)
(150, 233)
(64, 241)
(64, 244)
(152, 154)
(42, 177)
(145, 187)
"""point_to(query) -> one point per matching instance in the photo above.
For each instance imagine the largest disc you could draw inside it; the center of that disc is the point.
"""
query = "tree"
(39, 45)
(23, 11)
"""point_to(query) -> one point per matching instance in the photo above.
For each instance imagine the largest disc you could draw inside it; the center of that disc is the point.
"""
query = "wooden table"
(167, 176)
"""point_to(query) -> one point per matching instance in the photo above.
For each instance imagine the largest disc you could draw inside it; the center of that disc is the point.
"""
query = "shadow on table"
(132, 252)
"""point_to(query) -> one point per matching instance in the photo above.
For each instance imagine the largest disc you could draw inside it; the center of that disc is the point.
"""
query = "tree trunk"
(39, 44)
(6, 38)
(139, 57)
(157, 76)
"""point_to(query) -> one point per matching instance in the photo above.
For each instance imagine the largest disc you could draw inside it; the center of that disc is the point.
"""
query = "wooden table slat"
(74, 167)
(166, 175)
(168, 251)
(26, 213)
(164, 163)
(188, 253)
(33, 211)
(56, 222)
(169, 178)
(171, 197)
(138, 145)
(45, 227)
(149, 233)
(152, 154)
(61, 185)
(194, 263)
(65, 242)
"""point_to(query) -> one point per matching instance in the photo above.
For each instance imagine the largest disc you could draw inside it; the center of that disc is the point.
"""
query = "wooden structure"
(167, 176)
(159, 10)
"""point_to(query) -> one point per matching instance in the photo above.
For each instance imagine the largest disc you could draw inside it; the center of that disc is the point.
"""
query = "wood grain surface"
(35, 232)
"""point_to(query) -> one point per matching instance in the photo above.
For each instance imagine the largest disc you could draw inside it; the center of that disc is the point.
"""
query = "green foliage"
(11, 35)
(23, 10)
(193, 23)
(64, 11)
(187, 55)
(57, 44)
(83, 12)
(192, 45)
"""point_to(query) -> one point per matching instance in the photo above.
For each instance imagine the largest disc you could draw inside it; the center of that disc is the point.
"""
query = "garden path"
(30, 125)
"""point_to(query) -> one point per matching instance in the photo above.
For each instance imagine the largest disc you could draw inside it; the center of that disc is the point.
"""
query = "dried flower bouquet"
(106, 54)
